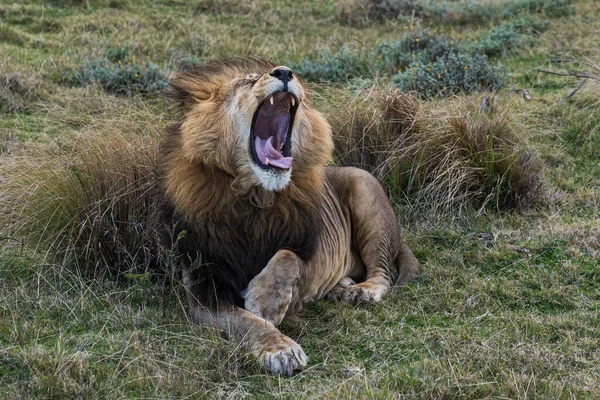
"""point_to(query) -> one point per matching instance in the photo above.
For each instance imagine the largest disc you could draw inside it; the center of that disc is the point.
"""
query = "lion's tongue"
(265, 151)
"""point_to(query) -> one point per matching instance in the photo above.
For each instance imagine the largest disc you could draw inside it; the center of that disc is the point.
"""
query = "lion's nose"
(284, 74)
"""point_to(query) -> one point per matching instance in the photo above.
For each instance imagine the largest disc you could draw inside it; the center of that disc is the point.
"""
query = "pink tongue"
(265, 151)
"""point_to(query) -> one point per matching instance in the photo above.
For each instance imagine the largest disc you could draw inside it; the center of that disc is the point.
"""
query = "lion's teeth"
(293, 101)
(271, 100)
(267, 162)
(280, 146)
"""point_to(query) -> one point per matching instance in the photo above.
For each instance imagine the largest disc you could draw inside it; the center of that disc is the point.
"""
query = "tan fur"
(341, 214)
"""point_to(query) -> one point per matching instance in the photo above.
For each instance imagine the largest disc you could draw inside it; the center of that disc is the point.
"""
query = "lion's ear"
(188, 88)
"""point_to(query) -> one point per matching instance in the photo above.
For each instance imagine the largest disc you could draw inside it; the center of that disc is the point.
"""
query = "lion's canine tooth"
(293, 101)
(271, 100)
(267, 162)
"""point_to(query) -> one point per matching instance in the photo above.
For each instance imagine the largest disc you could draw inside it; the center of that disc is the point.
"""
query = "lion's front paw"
(365, 293)
(283, 356)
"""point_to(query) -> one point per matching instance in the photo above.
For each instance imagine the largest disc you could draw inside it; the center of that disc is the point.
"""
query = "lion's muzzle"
(272, 129)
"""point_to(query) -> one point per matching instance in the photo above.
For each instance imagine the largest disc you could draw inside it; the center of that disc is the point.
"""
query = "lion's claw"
(364, 293)
(285, 357)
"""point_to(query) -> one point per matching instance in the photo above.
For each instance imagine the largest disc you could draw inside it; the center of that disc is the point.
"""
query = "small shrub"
(510, 37)
(119, 72)
(550, 8)
(452, 73)
(347, 63)
(437, 160)
(421, 48)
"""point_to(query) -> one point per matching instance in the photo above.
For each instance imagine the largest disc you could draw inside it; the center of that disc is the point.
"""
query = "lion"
(260, 225)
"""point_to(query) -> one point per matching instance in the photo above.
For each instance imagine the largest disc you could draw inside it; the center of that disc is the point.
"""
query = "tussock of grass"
(93, 203)
(17, 90)
(437, 158)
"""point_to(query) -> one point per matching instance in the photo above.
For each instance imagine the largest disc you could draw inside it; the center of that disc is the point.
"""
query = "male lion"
(262, 226)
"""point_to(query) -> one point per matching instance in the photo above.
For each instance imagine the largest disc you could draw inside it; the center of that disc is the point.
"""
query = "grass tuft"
(18, 91)
(93, 204)
(441, 159)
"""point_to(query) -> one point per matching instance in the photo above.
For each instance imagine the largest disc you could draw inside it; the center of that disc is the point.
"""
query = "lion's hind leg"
(370, 291)
(337, 293)
(374, 288)
(375, 236)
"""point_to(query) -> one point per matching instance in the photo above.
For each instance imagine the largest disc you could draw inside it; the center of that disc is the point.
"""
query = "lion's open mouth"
(271, 131)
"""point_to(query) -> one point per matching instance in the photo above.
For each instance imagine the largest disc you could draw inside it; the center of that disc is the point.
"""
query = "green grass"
(508, 302)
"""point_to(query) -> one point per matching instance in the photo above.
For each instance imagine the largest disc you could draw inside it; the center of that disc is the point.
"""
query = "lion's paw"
(337, 292)
(365, 293)
(284, 356)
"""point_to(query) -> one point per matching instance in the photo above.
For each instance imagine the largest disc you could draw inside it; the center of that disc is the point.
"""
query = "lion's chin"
(274, 180)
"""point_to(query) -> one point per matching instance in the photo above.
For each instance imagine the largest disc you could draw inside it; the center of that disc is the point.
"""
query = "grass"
(448, 12)
(507, 305)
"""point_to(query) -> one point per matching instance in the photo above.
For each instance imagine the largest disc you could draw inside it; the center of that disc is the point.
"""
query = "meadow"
(480, 118)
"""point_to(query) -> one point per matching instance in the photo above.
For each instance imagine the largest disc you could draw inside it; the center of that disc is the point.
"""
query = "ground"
(508, 302)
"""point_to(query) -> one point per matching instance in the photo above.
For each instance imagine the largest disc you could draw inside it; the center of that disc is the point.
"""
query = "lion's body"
(259, 242)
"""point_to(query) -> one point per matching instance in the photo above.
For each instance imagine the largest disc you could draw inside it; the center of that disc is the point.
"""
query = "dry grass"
(440, 157)
(93, 201)
(17, 90)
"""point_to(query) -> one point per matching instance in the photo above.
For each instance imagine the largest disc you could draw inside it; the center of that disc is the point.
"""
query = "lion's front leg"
(270, 293)
(277, 352)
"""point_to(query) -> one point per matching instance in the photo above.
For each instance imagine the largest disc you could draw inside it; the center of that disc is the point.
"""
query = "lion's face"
(253, 121)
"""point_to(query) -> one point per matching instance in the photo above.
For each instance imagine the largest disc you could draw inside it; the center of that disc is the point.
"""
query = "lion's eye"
(243, 82)
(252, 77)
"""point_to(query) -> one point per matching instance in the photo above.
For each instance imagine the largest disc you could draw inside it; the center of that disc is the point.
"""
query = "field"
(480, 118)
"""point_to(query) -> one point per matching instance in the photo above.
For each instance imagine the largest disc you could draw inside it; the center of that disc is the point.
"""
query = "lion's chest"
(250, 241)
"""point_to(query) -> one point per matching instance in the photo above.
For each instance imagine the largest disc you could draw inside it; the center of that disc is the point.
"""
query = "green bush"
(510, 37)
(119, 72)
(550, 8)
(452, 73)
(421, 48)
(347, 63)
(432, 65)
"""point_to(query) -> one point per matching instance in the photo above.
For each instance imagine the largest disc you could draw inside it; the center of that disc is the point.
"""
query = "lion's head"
(252, 120)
